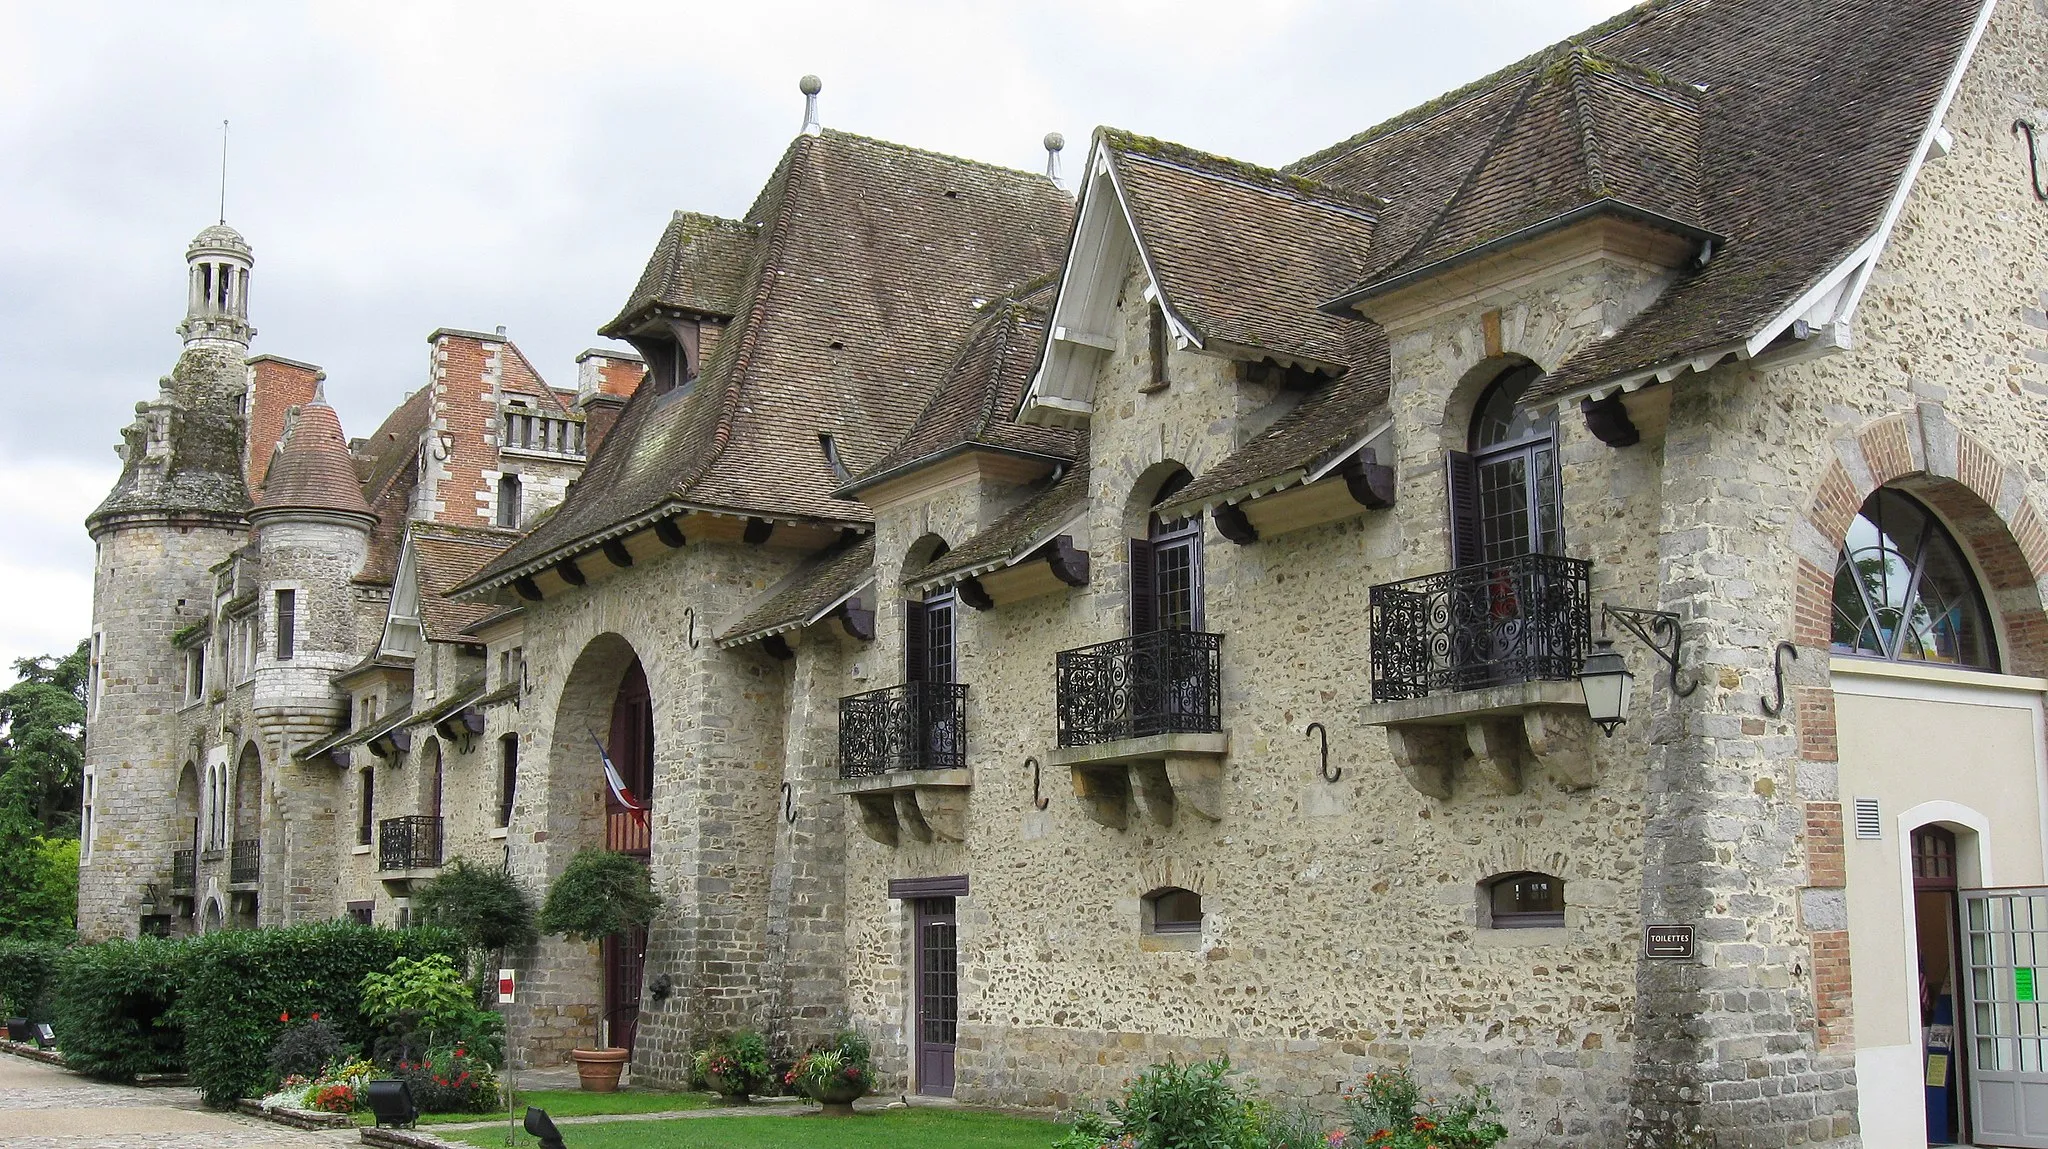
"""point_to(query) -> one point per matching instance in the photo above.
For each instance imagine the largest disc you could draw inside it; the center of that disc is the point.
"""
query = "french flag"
(617, 784)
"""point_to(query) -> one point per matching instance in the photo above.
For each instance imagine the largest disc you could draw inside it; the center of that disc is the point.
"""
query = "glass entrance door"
(2006, 948)
(938, 995)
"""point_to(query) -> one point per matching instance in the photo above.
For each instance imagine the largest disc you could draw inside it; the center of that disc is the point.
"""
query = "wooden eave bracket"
(1609, 421)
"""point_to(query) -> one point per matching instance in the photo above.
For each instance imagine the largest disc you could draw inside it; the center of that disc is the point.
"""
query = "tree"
(42, 738)
(38, 877)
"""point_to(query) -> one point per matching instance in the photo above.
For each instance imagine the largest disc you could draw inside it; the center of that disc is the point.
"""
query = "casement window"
(287, 623)
(1504, 496)
(1522, 901)
(1172, 910)
(366, 807)
(195, 674)
(512, 666)
(928, 640)
(1904, 590)
(508, 501)
(1166, 570)
(89, 789)
(508, 776)
(360, 912)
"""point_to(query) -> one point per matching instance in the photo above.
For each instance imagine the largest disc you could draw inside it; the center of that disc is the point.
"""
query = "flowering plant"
(735, 1064)
(1388, 1111)
(334, 1099)
(840, 1070)
(451, 1081)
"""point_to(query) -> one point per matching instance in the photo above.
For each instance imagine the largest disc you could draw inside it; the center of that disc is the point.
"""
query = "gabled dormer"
(689, 291)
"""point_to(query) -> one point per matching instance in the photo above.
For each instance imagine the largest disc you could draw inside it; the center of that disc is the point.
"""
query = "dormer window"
(670, 348)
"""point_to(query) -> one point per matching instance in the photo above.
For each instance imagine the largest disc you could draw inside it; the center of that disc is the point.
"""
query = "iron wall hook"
(1315, 730)
(1654, 628)
(1037, 802)
(690, 623)
(1773, 710)
(788, 804)
(2027, 129)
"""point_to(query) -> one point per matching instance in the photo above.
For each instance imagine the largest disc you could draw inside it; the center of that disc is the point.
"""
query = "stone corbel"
(1105, 794)
(1425, 754)
(921, 805)
(1160, 778)
(878, 817)
(1496, 745)
(1561, 739)
(1197, 782)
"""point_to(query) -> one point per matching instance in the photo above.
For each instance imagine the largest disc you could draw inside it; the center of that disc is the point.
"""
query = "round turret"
(217, 298)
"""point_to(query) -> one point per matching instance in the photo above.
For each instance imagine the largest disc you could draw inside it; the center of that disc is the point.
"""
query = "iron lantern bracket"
(1660, 630)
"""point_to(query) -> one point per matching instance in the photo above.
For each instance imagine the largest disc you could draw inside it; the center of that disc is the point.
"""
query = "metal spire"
(223, 171)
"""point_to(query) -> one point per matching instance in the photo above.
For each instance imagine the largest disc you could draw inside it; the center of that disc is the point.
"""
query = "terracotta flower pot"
(598, 1069)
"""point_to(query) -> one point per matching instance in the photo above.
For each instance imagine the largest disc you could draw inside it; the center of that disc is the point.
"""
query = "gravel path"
(42, 1107)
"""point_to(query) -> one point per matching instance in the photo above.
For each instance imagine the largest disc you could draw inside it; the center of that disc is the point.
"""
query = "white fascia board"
(953, 578)
(842, 600)
(1856, 269)
(1344, 453)
(1183, 333)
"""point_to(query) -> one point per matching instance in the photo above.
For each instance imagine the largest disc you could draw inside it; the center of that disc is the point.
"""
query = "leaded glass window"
(1904, 591)
(1514, 457)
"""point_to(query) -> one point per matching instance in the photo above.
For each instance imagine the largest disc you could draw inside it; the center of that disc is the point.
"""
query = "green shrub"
(451, 1081)
(425, 1005)
(599, 893)
(26, 971)
(739, 1061)
(482, 903)
(304, 1049)
(115, 1005)
(243, 987)
(1175, 1105)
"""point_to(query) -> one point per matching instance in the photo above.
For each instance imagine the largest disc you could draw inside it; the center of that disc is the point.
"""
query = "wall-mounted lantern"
(1604, 677)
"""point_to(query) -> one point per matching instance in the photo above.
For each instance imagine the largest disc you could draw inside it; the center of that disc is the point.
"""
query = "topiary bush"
(243, 987)
(26, 972)
(482, 903)
(115, 1007)
(599, 893)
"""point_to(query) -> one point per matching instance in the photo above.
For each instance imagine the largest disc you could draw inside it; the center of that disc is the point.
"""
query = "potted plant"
(733, 1066)
(599, 893)
(835, 1075)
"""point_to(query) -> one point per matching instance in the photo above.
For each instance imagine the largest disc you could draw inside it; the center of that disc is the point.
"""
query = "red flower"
(316, 1017)
(284, 1017)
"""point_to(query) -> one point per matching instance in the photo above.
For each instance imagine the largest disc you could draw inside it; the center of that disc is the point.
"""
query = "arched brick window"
(1172, 910)
(1521, 901)
(1905, 592)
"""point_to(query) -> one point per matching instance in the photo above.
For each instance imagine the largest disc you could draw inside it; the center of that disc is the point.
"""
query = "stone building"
(271, 637)
(1056, 632)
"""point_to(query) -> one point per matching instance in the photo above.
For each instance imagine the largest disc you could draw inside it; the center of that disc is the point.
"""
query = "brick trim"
(1832, 1008)
(1825, 865)
(1814, 711)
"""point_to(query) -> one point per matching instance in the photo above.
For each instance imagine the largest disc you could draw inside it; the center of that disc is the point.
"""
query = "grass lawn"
(577, 1103)
(894, 1129)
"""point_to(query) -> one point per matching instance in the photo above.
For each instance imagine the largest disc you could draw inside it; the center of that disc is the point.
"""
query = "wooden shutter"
(916, 642)
(1144, 588)
(1467, 545)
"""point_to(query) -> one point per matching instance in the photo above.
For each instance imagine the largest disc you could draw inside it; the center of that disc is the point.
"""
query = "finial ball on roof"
(810, 85)
(1054, 141)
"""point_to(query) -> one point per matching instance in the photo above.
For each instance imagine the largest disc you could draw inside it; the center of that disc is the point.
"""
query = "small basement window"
(1523, 901)
(1173, 911)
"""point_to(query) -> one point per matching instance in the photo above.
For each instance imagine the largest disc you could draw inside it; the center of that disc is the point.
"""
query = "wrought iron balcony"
(915, 726)
(411, 843)
(1491, 624)
(245, 860)
(1165, 682)
(184, 870)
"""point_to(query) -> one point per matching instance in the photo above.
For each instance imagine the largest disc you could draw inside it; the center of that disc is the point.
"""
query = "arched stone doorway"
(606, 712)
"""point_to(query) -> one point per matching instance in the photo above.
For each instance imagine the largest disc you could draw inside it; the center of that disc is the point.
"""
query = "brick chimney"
(276, 385)
(604, 381)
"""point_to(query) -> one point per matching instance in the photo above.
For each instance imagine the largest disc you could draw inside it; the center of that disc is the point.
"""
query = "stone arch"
(1168, 872)
(433, 762)
(247, 820)
(1977, 495)
(1152, 484)
(575, 771)
(928, 546)
(1463, 400)
(186, 829)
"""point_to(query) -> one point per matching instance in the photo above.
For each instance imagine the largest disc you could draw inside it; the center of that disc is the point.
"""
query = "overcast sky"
(402, 167)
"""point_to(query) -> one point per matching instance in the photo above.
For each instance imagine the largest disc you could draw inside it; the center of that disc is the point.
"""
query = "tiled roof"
(394, 455)
(313, 470)
(1337, 415)
(699, 265)
(809, 591)
(1014, 533)
(1808, 113)
(445, 557)
(1243, 253)
(855, 301)
(977, 401)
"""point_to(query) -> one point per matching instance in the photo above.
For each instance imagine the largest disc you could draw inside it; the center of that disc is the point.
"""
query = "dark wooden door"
(938, 995)
(625, 956)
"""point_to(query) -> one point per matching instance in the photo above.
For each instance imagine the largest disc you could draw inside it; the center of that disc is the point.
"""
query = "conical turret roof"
(313, 470)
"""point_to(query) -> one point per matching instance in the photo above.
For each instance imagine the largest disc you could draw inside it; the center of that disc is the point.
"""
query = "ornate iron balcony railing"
(1165, 682)
(184, 870)
(245, 859)
(915, 726)
(411, 843)
(1490, 624)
